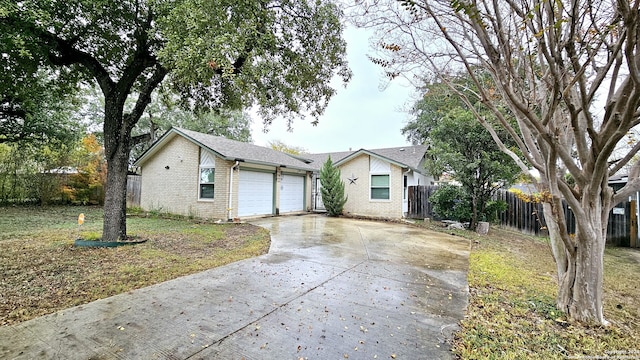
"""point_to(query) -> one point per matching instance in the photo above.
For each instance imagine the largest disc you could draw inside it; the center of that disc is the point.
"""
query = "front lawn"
(42, 272)
(512, 313)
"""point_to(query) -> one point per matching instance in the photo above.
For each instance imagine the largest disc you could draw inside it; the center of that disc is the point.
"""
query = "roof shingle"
(242, 151)
(409, 156)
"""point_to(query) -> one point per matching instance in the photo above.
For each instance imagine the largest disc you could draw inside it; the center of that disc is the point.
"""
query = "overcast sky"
(358, 116)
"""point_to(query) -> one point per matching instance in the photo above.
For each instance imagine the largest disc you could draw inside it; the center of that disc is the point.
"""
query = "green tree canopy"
(279, 55)
(460, 146)
(34, 105)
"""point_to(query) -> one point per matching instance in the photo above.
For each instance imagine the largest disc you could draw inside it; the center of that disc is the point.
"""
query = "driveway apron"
(330, 288)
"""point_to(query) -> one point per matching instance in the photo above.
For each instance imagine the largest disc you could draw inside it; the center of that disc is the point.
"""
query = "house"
(190, 173)
(376, 181)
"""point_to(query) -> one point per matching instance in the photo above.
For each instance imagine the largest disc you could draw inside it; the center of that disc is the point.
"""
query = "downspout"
(231, 191)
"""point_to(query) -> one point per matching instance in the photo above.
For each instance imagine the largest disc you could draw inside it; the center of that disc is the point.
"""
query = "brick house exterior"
(200, 175)
(399, 167)
(170, 172)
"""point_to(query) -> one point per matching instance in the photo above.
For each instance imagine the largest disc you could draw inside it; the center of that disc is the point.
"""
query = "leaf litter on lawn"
(43, 272)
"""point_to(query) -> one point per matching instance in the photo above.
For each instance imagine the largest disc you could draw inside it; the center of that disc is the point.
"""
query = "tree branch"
(139, 139)
(62, 53)
(144, 98)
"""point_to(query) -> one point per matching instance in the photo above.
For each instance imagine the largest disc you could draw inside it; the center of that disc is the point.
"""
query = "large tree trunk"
(580, 270)
(116, 144)
(580, 292)
(115, 201)
(558, 250)
(473, 224)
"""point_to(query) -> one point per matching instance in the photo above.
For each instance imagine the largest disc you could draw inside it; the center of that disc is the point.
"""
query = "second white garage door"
(291, 193)
(255, 193)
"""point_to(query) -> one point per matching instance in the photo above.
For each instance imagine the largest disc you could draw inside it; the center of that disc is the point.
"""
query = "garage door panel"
(255, 193)
(292, 193)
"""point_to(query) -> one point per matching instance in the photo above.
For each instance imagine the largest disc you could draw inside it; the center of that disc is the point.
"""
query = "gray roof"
(233, 150)
(409, 155)
(406, 156)
(619, 178)
(319, 159)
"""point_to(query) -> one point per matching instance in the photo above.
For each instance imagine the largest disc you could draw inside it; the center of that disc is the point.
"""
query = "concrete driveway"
(328, 289)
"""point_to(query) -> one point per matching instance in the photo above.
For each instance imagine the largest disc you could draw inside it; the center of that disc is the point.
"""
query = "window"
(207, 176)
(380, 187)
(404, 191)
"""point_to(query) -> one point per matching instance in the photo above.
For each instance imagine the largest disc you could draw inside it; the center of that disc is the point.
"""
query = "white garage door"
(255, 193)
(291, 193)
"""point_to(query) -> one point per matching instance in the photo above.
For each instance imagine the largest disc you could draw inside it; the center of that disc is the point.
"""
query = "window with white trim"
(380, 187)
(379, 171)
(207, 175)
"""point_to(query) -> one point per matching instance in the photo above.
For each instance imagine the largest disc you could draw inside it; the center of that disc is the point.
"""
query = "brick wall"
(175, 190)
(359, 202)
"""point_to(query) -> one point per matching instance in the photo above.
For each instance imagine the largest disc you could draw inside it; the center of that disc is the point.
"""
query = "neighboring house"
(376, 181)
(190, 173)
(618, 181)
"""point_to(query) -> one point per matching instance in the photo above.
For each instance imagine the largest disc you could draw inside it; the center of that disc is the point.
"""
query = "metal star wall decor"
(352, 179)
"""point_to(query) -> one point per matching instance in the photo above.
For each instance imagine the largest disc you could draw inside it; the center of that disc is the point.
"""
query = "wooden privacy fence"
(525, 216)
(528, 217)
(419, 205)
(134, 183)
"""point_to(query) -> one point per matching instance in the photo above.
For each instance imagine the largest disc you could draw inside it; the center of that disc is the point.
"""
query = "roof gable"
(355, 154)
(405, 157)
(409, 156)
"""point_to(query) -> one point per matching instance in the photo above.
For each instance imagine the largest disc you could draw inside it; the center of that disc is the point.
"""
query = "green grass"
(512, 312)
(43, 272)
(19, 222)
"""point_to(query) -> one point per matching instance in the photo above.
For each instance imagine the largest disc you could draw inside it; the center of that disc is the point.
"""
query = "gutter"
(235, 166)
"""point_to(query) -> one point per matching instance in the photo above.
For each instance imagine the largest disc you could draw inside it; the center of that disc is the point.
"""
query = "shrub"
(450, 202)
(332, 189)
(493, 209)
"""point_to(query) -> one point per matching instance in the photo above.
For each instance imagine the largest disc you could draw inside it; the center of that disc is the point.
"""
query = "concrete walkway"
(328, 289)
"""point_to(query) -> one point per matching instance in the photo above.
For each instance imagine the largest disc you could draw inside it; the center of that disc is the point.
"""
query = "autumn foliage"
(87, 185)
(536, 198)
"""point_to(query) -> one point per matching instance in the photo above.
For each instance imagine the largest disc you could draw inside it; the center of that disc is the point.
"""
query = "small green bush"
(450, 202)
(493, 209)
